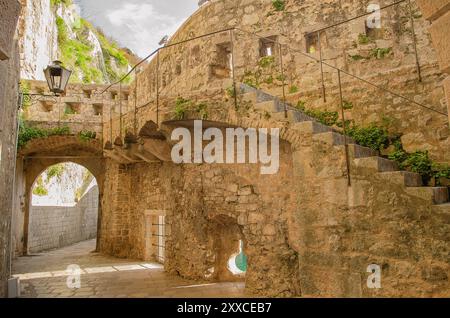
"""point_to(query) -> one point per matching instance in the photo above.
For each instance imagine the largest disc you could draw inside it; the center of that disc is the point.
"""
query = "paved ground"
(45, 275)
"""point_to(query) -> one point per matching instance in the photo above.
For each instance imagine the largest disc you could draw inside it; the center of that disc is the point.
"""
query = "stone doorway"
(228, 246)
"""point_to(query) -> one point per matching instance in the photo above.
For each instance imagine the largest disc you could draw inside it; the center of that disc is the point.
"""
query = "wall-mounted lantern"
(57, 77)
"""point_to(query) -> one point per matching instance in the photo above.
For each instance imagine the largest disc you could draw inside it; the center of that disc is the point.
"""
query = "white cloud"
(140, 26)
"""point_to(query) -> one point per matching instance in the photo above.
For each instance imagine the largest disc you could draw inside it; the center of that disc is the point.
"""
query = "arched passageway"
(63, 209)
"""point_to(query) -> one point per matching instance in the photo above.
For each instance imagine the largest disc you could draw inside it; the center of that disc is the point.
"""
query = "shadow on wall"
(59, 226)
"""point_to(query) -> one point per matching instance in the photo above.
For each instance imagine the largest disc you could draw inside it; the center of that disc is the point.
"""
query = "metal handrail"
(276, 42)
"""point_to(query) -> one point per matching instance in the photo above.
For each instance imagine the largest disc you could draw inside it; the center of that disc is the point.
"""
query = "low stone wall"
(56, 227)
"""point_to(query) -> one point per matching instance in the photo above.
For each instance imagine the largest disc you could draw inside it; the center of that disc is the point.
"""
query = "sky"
(137, 24)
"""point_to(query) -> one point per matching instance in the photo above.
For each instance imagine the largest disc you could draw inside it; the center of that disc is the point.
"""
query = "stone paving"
(44, 276)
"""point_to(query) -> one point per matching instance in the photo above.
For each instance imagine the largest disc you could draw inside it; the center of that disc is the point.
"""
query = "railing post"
(344, 125)
(120, 111)
(321, 67)
(111, 122)
(59, 113)
(233, 74)
(157, 89)
(413, 30)
(283, 81)
(135, 102)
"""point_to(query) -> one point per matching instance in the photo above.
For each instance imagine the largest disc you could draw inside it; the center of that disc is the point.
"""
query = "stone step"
(442, 208)
(332, 138)
(269, 106)
(357, 151)
(310, 127)
(377, 163)
(249, 97)
(436, 195)
(404, 178)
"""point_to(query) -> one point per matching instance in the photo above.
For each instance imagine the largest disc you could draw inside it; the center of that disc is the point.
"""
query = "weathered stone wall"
(57, 226)
(82, 108)
(202, 64)
(9, 78)
(438, 12)
(194, 198)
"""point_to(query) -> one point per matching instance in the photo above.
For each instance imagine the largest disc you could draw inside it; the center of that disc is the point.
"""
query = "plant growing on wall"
(181, 107)
(39, 188)
(27, 134)
(86, 135)
(279, 5)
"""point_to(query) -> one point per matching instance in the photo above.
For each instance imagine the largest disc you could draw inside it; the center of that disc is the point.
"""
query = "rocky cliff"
(53, 29)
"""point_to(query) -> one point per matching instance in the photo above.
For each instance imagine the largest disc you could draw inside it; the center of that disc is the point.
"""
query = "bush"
(372, 137)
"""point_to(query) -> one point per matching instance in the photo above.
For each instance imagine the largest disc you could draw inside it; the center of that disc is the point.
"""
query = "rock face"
(64, 35)
(36, 52)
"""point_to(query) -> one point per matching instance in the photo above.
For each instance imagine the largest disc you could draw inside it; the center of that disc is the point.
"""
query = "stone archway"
(40, 154)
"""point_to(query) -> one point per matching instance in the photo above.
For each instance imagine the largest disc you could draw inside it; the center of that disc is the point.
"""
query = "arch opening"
(64, 208)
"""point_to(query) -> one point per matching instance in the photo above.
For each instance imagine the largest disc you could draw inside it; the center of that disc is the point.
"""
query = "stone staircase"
(362, 157)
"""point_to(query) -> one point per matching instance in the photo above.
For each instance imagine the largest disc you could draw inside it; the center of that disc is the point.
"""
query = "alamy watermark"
(236, 146)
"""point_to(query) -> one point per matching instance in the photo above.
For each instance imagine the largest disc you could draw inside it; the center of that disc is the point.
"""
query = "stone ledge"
(433, 9)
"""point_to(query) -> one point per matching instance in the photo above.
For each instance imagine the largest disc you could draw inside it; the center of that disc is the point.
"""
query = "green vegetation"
(263, 74)
(293, 89)
(378, 138)
(87, 179)
(76, 53)
(364, 39)
(55, 3)
(86, 135)
(279, 5)
(27, 134)
(40, 189)
(380, 53)
(181, 107)
(202, 110)
(55, 171)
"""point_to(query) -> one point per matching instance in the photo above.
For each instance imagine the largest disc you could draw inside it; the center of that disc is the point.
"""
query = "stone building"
(333, 211)
(9, 79)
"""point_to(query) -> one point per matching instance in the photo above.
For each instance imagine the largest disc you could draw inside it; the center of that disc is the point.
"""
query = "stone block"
(441, 40)
(447, 94)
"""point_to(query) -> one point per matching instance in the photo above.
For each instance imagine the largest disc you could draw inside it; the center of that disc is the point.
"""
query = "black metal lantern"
(57, 77)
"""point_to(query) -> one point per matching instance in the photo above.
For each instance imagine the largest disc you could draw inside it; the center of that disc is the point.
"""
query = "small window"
(72, 109)
(45, 106)
(223, 63)
(125, 96)
(114, 95)
(268, 46)
(98, 109)
(312, 43)
(87, 93)
(159, 237)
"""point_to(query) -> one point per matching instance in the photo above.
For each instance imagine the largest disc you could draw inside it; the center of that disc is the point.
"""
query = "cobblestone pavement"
(45, 276)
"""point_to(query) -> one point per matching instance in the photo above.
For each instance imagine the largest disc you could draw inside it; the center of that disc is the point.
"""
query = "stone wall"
(56, 227)
(203, 64)
(195, 200)
(82, 108)
(9, 78)
(438, 12)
